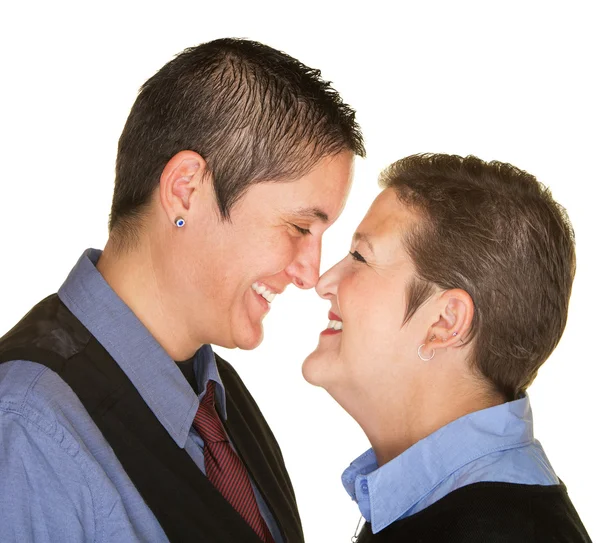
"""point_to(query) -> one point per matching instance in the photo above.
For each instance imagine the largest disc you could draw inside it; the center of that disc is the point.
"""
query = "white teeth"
(264, 292)
(335, 325)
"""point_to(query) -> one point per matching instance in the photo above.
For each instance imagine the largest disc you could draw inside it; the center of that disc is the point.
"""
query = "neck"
(395, 419)
(136, 276)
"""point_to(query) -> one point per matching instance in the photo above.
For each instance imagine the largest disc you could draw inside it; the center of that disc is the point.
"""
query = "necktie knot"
(207, 421)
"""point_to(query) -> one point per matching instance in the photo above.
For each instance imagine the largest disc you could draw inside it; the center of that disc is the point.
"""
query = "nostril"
(299, 282)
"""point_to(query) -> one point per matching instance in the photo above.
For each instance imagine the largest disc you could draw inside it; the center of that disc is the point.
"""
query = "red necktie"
(224, 468)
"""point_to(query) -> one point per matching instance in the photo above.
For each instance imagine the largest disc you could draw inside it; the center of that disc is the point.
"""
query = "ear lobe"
(179, 178)
(454, 322)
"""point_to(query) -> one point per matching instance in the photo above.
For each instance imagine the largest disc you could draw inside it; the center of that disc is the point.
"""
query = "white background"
(513, 81)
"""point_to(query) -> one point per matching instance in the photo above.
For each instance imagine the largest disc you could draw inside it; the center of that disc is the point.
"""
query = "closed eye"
(303, 231)
(357, 256)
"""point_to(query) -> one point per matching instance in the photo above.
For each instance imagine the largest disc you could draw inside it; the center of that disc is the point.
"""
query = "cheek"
(275, 253)
(372, 310)
(363, 300)
(349, 293)
(257, 256)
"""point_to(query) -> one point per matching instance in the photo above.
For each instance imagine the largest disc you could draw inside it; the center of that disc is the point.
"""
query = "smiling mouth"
(263, 291)
(335, 325)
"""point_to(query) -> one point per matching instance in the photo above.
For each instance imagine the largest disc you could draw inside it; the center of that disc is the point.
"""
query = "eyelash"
(303, 231)
(357, 256)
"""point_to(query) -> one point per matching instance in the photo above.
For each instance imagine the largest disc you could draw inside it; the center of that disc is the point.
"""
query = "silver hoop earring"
(421, 355)
(179, 222)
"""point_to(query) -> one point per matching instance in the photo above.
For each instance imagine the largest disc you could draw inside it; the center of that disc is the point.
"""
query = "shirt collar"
(422, 467)
(148, 366)
(205, 369)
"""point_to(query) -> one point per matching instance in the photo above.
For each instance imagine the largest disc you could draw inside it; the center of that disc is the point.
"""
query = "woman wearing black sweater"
(455, 291)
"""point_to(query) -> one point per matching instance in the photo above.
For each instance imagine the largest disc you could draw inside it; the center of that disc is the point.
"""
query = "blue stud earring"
(179, 222)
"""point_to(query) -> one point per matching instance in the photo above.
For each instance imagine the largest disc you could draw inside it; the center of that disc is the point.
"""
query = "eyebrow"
(359, 236)
(313, 213)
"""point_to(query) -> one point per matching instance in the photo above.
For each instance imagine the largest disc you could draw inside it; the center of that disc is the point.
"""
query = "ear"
(179, 179)
(454, 322)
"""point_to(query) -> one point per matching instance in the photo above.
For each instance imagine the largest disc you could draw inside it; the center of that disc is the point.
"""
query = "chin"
(315, 369)
(249, 338)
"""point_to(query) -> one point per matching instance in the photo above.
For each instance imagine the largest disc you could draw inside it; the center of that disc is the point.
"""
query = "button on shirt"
(494, 445)
(59, 478)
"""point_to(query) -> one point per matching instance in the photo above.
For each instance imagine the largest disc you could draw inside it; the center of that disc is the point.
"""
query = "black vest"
(183, 500)
(490, 513)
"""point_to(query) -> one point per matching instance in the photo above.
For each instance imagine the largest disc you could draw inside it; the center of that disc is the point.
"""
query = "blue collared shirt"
(59, 478)
(494, 445)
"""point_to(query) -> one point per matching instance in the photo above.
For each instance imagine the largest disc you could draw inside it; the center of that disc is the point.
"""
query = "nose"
(304, 269)
(328, 282)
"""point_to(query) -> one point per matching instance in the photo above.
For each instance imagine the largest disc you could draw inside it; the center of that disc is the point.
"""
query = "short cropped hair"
(253, 113)
(494, 231)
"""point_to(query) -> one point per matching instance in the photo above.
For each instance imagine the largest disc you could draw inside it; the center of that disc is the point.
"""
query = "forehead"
(387, 214)
(384, 227)
(319, 195)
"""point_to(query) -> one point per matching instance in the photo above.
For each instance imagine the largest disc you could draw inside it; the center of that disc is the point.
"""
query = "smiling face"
(367, 291)
(273, 239)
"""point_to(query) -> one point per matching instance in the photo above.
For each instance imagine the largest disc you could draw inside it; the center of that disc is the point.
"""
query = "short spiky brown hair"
(494, 231)
(253, 113)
